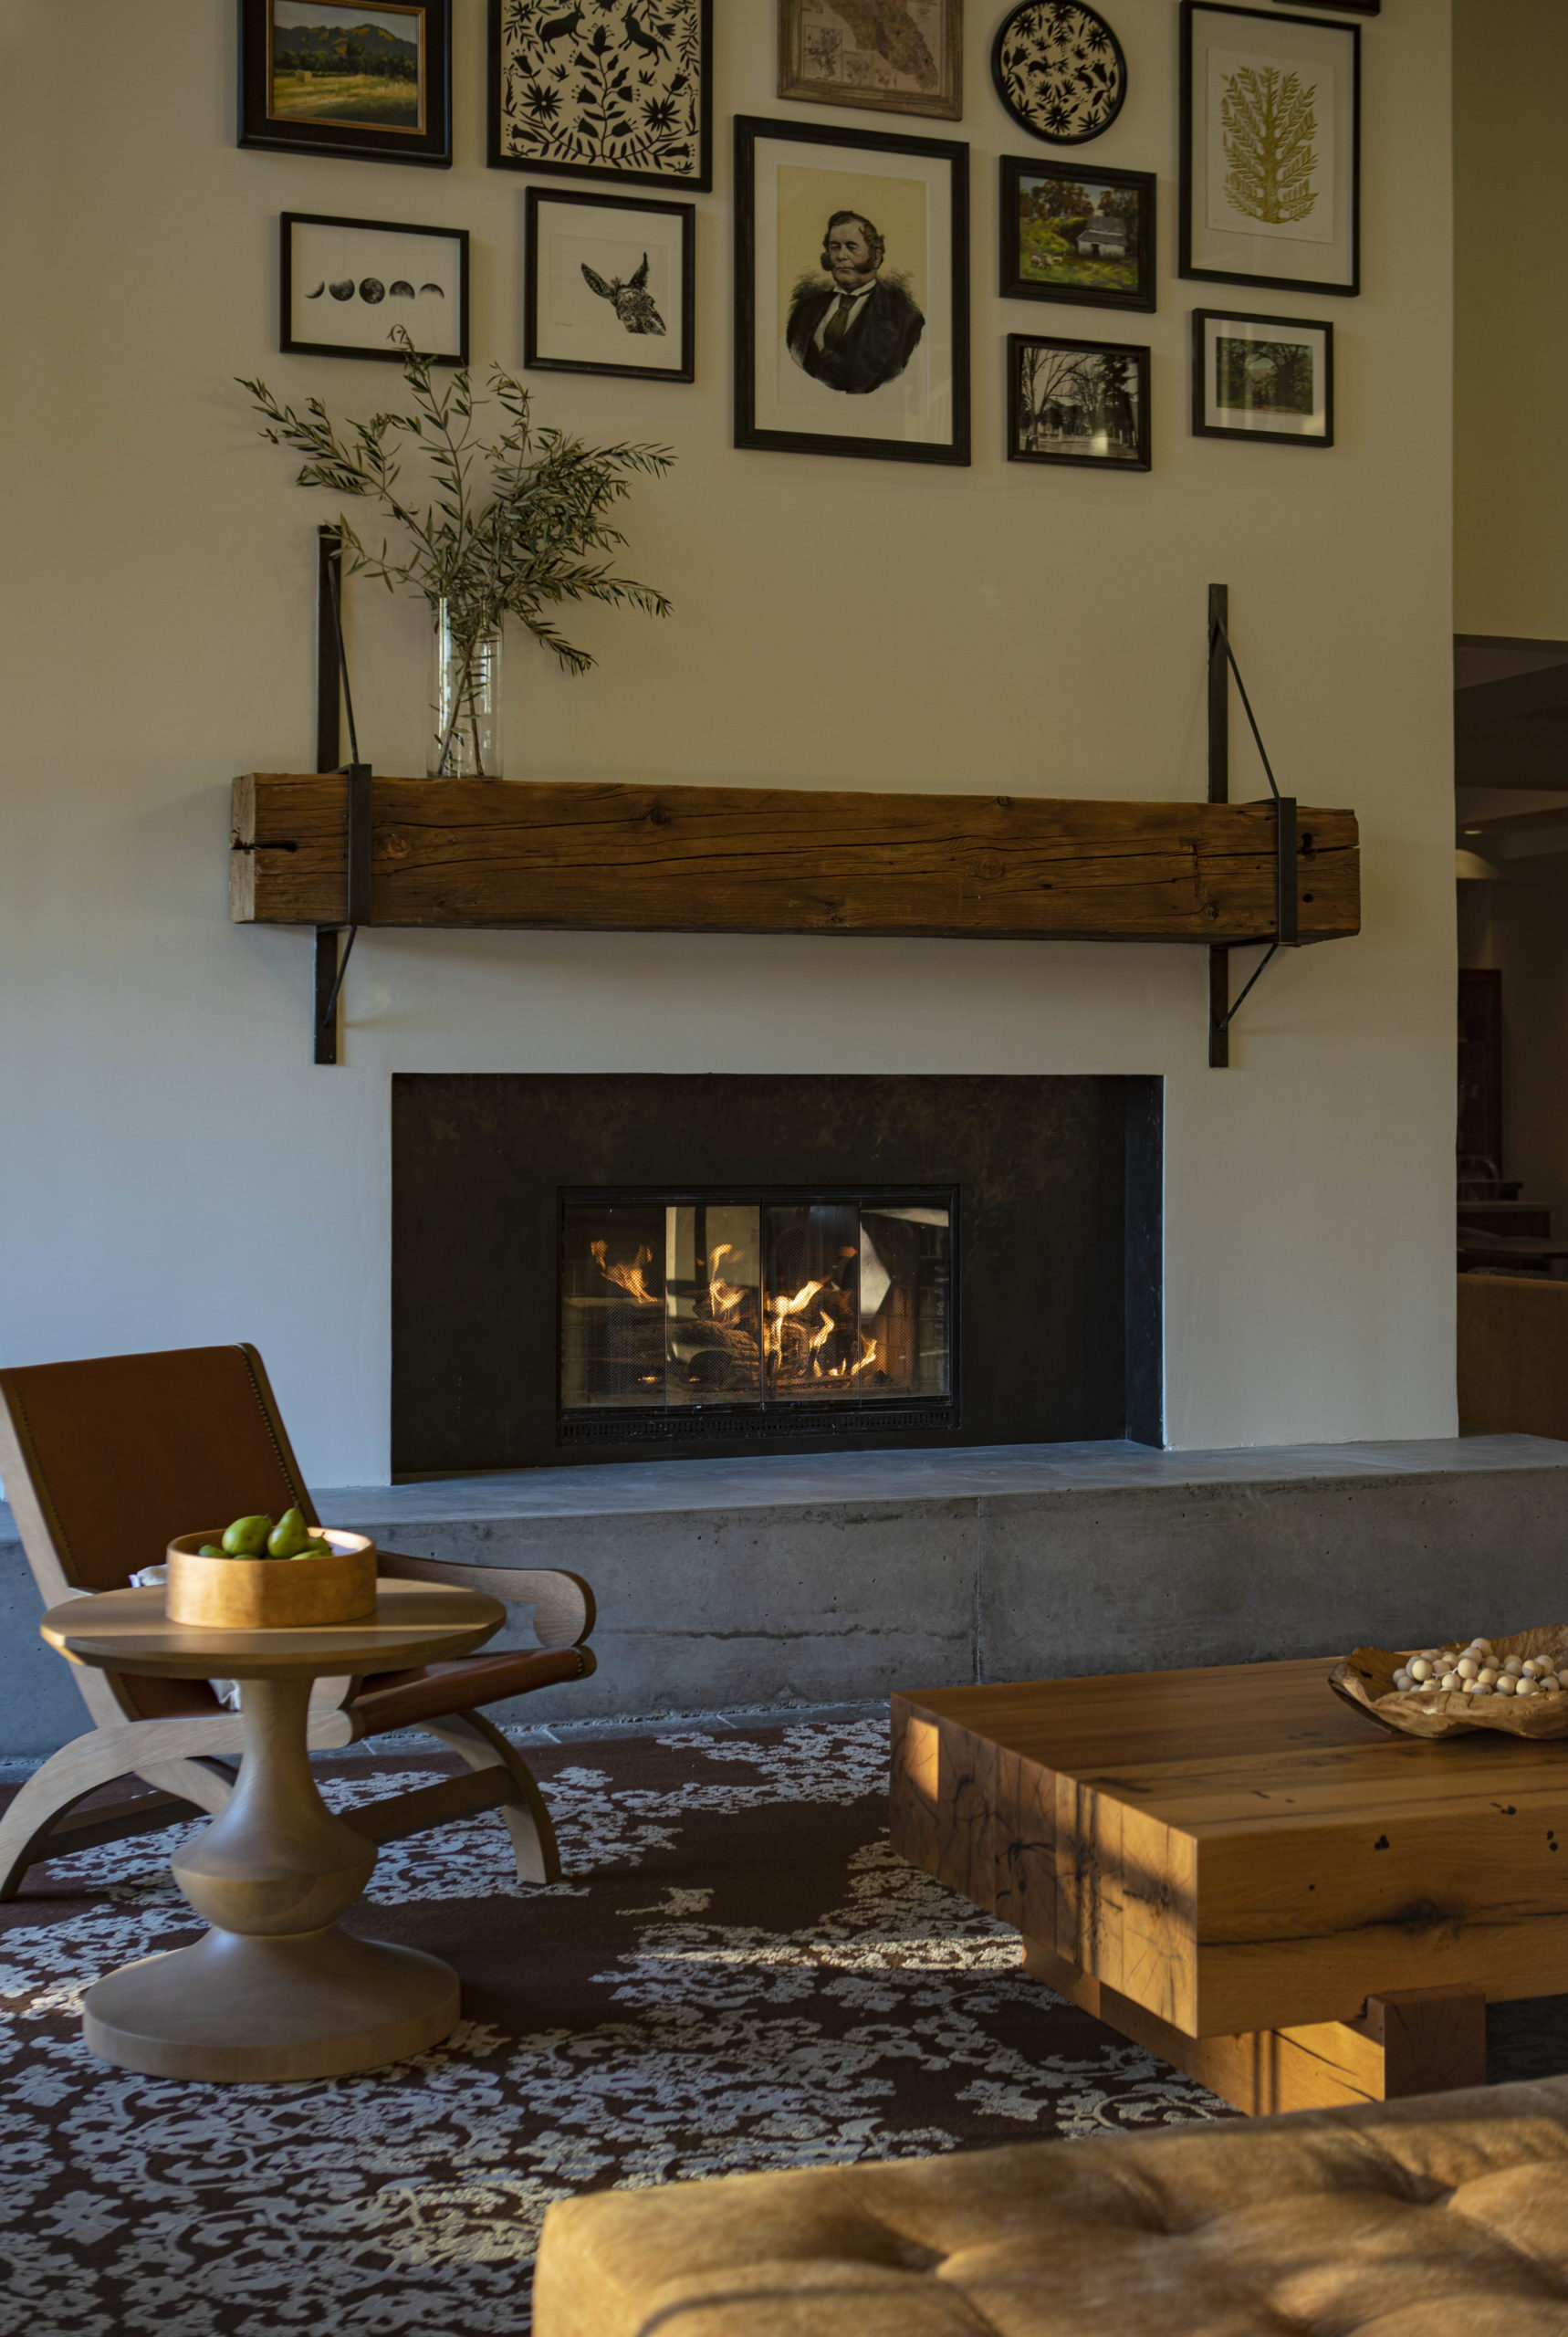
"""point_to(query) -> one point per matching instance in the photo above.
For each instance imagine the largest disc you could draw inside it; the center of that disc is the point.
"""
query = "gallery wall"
(175, 1166)
(1511, 345)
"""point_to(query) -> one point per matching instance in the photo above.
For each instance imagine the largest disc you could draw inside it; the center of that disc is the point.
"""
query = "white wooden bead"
(1505, 1683)
(1487, 1676)
(1420, 1666)
(1403, 1682)
(1527, 1688)
(1450, 1681)
(1467, 1667)
(1512, 1663)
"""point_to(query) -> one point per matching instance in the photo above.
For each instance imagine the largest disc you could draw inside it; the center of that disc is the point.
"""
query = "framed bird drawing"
(609, 285)
(603, 89)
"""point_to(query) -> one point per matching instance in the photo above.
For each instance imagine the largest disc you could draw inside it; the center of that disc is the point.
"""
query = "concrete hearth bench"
(1446, 2217)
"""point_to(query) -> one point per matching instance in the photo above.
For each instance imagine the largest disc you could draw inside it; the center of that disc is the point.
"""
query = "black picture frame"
(541, 198)
(1343, 7)
(750, 133)
(1347, 287)
(429, 144)
(1259, 433)
(294, 345)
(1142, 458)
(1015, 111)
(519, 18)
(1013, 169)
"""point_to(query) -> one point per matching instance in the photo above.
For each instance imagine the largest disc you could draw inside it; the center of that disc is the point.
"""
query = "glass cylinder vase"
(465, 707)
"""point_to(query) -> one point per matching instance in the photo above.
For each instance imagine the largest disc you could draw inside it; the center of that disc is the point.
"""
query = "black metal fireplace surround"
(615, 1267)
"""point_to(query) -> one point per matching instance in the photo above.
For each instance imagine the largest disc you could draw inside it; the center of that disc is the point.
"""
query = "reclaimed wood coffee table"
(274, 1990)
(1244, 1875)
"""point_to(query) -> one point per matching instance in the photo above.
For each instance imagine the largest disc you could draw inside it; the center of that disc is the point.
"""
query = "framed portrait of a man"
(852, 292)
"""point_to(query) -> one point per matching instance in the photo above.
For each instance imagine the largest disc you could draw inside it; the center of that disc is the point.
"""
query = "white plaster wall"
(175, 1170)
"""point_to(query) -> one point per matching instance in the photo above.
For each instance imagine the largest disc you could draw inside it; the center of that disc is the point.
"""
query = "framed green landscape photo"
(1263, 377)
(367, 81)
(1085, 236)
(1271, 149)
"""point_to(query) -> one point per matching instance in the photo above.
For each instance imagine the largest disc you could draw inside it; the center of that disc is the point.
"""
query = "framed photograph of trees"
(1271, 149)
(603, 89)
(1084, 402)
(1078, 235)
(1263, 377)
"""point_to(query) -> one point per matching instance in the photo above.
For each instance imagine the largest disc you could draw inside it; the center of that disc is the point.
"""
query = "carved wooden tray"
(1366, 1680)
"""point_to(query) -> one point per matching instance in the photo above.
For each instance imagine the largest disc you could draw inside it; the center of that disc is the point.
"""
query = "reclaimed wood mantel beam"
(632, 857)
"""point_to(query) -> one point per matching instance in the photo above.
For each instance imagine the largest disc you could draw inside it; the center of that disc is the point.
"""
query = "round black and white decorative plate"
(1060, 71)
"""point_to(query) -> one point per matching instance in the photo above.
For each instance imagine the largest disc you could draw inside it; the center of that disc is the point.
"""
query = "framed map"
(603, 89)
(882, 56)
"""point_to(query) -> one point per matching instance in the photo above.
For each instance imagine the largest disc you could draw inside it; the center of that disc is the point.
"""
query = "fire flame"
(628, 1278)
(723, 1296)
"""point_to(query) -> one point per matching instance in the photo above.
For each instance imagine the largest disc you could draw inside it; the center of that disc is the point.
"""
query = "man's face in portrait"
(850, 256)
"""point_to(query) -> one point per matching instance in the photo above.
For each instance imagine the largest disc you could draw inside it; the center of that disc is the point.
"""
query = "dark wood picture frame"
(1014, 286)
(291, 346)
(749, 130)
(695, 182)
(1010, 105)
(579, 197)
(796, 83)
(1142, 460)
(1344, 7)
(1190, 162)
(1203, 428)
(429, 144)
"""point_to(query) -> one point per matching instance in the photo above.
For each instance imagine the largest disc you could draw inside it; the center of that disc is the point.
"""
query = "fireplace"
(754, 1314)
(591, 1267)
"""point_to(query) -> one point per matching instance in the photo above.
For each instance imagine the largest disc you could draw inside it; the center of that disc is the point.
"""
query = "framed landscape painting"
(346, 283)
(883, 56)
(852, 292)
(1263, 377)
(360, 80)
(1270, 159)
(609, 285)
(603, 89)
(1077, 235)
(1082, 402)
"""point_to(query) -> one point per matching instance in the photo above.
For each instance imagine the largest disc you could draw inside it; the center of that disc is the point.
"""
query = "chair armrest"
(564, 1611)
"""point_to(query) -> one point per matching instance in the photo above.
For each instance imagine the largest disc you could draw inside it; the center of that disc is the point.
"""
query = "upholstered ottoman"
(1444, 2217)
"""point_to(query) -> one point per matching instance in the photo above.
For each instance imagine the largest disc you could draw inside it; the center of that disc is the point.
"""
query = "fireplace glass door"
(772, 1312)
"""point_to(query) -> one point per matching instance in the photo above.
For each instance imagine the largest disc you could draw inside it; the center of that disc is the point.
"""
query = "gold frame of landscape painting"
(888, 56)
(852, 292)
(1271, 149)
(400, 112)
(1268, 378)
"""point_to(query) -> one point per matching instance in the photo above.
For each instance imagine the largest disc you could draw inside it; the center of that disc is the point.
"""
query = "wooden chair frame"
(189, 1761)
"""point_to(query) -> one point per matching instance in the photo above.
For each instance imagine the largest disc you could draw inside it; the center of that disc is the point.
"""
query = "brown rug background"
(737, 1974)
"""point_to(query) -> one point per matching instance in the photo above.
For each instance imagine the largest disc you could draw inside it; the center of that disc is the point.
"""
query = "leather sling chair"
(104, 1463)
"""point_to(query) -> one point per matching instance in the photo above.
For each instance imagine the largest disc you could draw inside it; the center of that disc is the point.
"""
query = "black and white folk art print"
(1060, 71)
(604, 88)
(1084, 402)
(609, 285)
(1263, 377)
(1271, 167)
(852, 293)
(347, 284)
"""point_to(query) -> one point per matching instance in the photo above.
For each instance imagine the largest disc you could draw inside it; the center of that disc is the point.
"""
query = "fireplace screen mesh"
(748, 1307)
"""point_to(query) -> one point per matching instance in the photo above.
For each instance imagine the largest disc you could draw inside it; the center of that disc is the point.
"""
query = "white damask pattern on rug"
(705, 1994)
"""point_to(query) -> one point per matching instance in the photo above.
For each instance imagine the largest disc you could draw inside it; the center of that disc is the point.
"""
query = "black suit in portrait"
(876, 350)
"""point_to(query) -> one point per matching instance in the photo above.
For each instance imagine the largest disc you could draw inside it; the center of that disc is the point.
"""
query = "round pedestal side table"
(275, 1991)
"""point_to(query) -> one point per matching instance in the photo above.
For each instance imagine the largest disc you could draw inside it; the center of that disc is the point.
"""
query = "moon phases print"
(364, 274)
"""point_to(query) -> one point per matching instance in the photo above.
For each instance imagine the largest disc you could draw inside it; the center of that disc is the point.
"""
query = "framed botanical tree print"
(852, 292)
(603, 89)
(1263, 377)
(882, 56)
(609, 286)
(1271, 160)
(363, 81)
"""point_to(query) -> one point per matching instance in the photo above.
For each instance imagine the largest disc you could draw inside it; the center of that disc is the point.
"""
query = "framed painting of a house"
(1077, 235)
(1271, 149)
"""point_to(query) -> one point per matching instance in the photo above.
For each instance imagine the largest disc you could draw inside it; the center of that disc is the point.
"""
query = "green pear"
(289, 1536)
(314, 1550)
(211, 1550)
(246, 1537)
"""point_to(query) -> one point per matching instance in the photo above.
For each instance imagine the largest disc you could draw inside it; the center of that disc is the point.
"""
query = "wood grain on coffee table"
(1244, 1874)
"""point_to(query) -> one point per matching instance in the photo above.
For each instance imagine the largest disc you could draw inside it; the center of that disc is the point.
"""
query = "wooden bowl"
(271, 1594)
(1366, 1680)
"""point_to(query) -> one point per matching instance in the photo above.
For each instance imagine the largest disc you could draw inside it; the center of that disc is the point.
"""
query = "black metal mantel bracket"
(333, 693)
(1222, 665)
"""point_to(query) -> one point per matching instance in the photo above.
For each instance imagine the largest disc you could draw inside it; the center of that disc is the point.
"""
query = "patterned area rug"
(737, 1974)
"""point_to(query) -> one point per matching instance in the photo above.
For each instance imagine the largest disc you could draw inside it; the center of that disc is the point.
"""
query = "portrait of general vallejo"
(856, 330)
